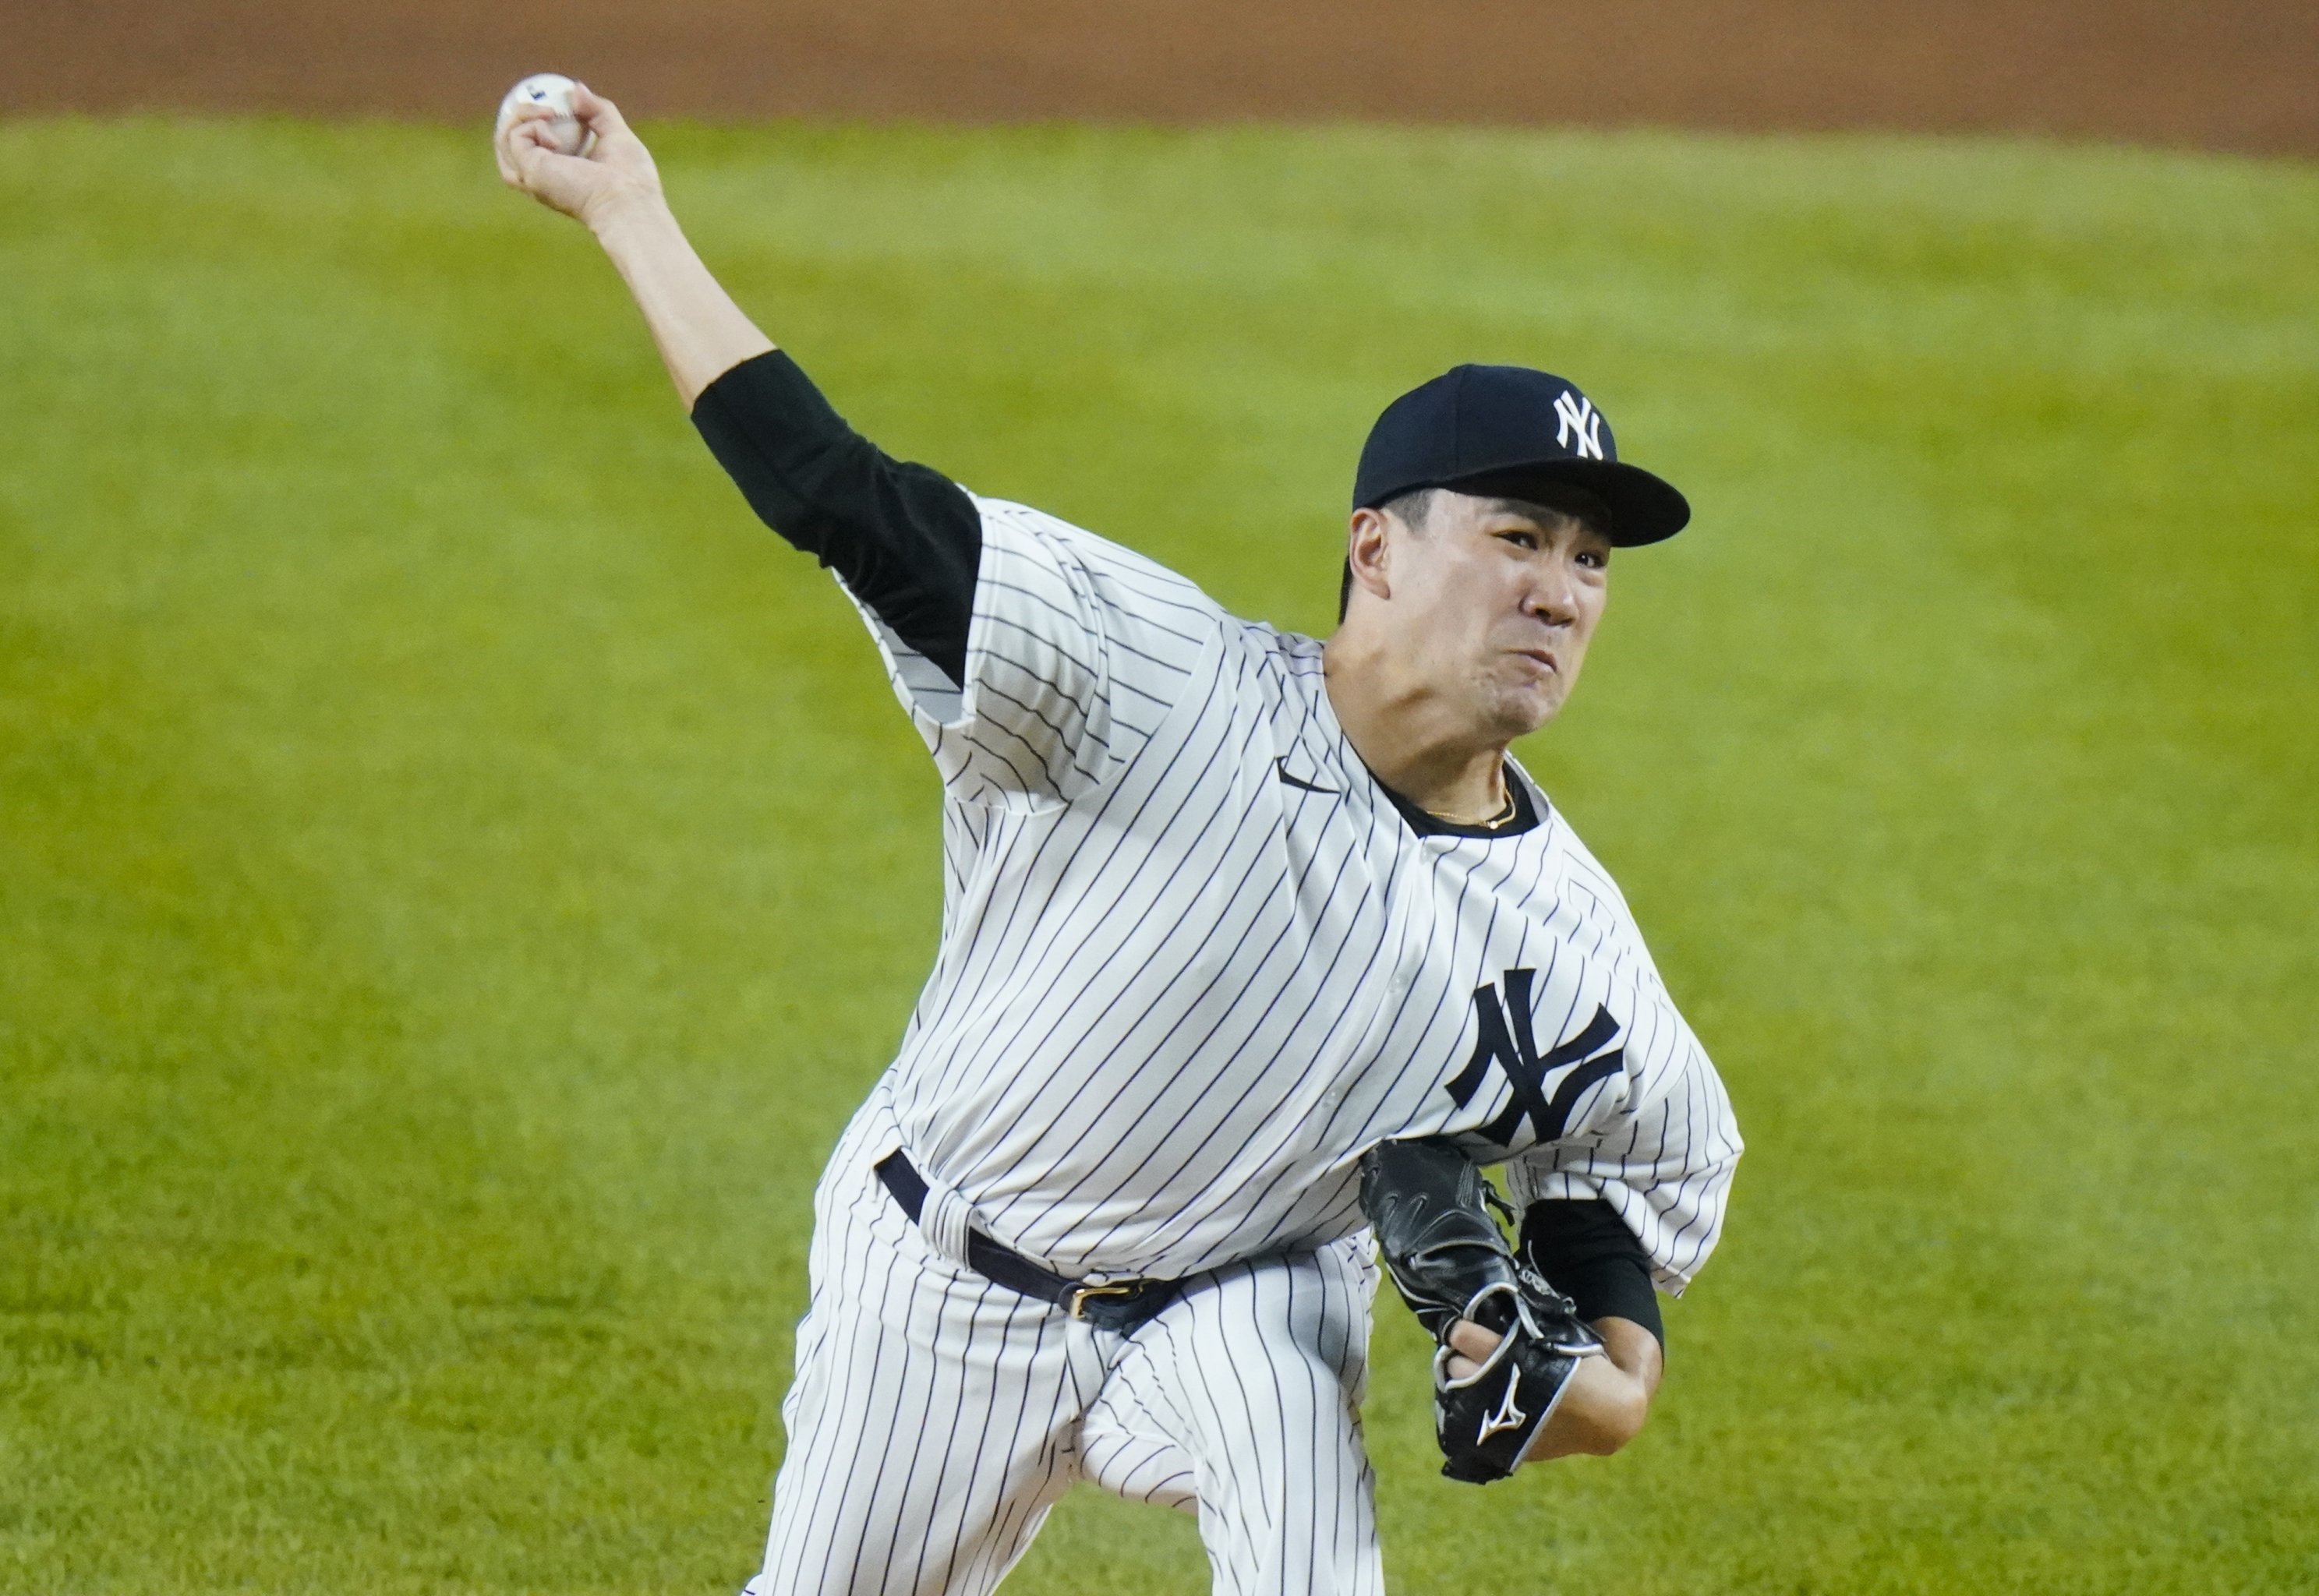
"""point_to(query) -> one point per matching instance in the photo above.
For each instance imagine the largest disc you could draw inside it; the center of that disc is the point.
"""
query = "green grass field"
(457, 871)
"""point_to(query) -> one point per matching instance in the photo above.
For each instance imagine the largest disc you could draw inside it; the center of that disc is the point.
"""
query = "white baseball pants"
(935, 1417)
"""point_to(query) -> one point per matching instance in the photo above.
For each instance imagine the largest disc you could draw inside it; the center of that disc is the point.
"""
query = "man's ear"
(1368, 550)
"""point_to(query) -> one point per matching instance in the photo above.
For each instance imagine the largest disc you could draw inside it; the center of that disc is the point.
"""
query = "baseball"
(566, 134)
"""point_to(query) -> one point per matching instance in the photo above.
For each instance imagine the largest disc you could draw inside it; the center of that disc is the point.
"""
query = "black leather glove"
(1429, 1208)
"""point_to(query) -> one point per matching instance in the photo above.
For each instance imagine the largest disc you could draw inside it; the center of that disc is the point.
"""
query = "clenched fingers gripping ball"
(566, 133)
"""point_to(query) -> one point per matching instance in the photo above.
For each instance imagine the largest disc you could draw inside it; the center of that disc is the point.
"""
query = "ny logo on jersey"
(1504, 1037)
(1574, 413)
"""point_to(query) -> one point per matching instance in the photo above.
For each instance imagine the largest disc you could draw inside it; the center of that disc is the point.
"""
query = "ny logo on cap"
(1573, 413)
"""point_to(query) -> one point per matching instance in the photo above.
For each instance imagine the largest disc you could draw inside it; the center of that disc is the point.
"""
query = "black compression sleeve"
(1587, 1253)
(906, 539)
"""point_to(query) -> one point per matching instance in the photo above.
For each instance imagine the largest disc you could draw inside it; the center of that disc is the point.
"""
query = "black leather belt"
(1119, 1305)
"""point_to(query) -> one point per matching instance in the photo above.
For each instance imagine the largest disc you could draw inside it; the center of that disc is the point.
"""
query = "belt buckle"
(1080, 1295)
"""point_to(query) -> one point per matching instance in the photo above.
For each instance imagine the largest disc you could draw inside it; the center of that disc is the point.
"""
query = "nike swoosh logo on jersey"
(1281, 766)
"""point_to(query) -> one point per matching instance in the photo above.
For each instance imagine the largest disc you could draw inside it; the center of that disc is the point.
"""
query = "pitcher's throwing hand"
(617, 167)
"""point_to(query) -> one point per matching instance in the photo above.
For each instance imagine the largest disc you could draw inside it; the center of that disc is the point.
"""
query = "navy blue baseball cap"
(1511, 432)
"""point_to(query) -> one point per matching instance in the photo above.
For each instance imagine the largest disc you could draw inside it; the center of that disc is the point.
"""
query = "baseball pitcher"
(1253, 947)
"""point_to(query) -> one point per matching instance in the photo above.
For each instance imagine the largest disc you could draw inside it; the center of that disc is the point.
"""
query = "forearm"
(906, 541)
(699, 331)
(1608, 1398)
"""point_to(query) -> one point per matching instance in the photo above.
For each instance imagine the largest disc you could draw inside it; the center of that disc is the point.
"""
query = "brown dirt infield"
(2229, 74)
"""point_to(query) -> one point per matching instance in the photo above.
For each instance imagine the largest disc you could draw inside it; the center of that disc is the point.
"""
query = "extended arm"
(905, 540)
(615, 190)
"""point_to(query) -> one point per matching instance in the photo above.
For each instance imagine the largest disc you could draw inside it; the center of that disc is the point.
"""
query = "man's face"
(1492, 602)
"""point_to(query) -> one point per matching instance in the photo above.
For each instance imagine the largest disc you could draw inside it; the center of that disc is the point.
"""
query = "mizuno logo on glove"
(1508, 1415)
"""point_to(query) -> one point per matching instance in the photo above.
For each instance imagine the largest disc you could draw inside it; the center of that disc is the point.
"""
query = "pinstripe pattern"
(1178, 995)
(936, 1418)
(1247, 1389)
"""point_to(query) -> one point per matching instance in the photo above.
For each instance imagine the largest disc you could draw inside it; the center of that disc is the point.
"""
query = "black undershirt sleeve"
(906, 539)
(1587, 1253)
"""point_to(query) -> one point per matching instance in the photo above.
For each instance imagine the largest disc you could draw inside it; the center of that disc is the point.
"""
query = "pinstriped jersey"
(1193, 961)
